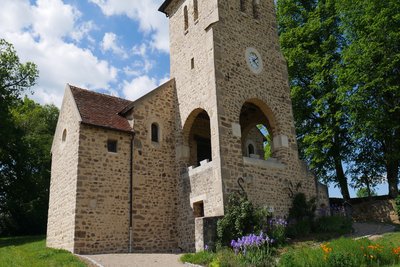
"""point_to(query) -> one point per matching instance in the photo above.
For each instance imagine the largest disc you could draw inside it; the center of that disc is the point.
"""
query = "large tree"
(26, 202)
(371, 80)
(25, 136)
(311, 42)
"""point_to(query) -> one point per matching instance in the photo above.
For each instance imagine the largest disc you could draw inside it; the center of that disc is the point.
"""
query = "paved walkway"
(370, 230)
(134, 260)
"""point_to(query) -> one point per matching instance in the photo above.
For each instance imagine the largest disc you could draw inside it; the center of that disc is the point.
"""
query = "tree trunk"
(392, 169)
(341, 178)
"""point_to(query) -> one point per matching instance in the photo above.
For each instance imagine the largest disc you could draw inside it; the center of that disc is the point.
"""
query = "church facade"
(149, 175)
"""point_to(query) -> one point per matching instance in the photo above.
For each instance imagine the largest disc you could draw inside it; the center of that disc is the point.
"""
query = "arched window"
(186, 18)
(64, 135)
(243, 5)
(250, 149)
(256, 9)
(256, 131)
(154, 132)
(195, 10)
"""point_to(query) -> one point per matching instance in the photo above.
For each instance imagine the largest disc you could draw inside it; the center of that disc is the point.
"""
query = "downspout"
(131, 192)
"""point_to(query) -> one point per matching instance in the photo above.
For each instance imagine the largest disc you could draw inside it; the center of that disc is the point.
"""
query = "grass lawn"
(32, 251)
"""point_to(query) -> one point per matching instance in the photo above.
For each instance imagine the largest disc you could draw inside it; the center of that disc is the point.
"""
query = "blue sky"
(118, 47)
(113, 46)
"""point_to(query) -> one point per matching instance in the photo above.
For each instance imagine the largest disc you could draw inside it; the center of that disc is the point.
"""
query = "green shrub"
(299, 229)
(277, 230)
(333, 224)
(301, 208)
(398, 205)
(241, 218)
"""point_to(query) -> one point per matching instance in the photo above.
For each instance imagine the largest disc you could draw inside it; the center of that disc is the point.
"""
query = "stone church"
(151, 175)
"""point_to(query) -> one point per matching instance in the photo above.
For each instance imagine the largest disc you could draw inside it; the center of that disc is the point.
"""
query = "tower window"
(186, 18)
(192, 63)
(243, 5)
(112, 146)
(256, 9)
(195, 10)
(154, 132)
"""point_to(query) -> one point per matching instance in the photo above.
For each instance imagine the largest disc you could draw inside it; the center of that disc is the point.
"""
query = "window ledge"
(269, 163)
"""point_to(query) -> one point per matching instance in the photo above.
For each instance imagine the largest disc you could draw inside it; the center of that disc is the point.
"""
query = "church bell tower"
(236, 126)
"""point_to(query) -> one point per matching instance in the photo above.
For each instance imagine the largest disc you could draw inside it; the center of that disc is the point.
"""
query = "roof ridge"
(97, 93)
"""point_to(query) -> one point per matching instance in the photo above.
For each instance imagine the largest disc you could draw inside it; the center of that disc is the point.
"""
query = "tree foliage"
(25, 139)
(311, 41)
(344, 71)
(370, 79)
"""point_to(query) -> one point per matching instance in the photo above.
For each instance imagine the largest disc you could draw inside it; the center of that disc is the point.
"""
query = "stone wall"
(206, 233)
(235, 32)
(155, 193)
(102, 205)
(64, 168)
(195, 89)
(376, 210)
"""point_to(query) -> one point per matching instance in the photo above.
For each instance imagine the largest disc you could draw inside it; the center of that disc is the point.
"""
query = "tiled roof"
(164, 5)
(101, 110)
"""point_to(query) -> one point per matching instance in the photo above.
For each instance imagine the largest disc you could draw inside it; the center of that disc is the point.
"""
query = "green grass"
(202, 258)
(345, 252)
(32, 251)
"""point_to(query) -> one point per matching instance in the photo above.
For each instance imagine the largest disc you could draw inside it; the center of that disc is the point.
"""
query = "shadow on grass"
(20, 240)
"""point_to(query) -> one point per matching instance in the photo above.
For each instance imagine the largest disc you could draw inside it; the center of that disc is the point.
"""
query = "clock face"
(254, 60)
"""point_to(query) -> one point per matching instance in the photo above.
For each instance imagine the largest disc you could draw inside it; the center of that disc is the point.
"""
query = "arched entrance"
(197, 136)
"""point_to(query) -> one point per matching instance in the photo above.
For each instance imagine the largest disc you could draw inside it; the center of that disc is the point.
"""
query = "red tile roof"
(101, 110)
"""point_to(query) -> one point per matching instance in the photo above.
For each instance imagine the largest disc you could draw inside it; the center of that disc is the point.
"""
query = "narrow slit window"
(186, 18)
(64, 135)
(243, 5)
(112, 146)
(195, 10)
(256, 9)
(154, 133)
(192, 63)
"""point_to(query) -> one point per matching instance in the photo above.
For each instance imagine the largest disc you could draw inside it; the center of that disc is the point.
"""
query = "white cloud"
(48, 21)
(109, 43)
(140, 86)
(151, 21)
(52, 19)
(83, 30)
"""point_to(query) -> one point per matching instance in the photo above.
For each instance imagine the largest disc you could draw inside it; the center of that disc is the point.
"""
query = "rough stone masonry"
(152, 175)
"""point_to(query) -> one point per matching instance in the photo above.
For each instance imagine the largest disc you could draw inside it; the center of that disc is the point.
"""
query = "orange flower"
(325, 248)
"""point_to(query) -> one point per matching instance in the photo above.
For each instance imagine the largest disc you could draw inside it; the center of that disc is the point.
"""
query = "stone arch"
(258, 126)
(197, 137)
